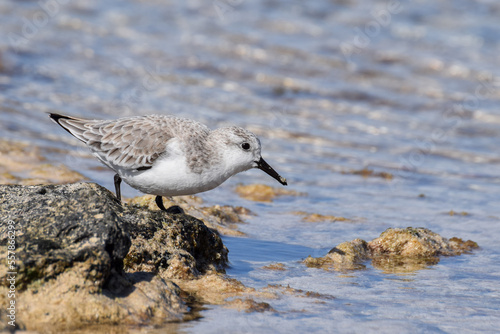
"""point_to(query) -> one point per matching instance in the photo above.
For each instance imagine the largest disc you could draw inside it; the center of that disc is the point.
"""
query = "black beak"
(262, 164)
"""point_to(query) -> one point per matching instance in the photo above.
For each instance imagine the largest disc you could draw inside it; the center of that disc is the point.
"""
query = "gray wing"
(130, 143)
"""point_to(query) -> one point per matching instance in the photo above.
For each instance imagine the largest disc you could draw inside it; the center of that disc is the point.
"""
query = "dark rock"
(70, 245)
(57, 226)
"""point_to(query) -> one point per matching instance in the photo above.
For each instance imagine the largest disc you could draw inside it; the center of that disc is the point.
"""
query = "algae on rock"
(176, 246)
(397, 250)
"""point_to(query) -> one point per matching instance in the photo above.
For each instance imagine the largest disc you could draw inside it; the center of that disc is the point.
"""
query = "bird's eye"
(245, 146)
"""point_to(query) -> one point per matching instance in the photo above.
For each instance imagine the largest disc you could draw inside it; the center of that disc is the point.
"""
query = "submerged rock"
(396, 250)
(365, 172)
(262, 192)
(23, 163)
(71, 243)
(275, 266)
(318, 218)
(249, 305)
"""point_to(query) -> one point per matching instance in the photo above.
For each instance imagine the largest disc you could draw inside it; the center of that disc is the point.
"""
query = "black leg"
(118, 180)
(159, 202)
(172, 210)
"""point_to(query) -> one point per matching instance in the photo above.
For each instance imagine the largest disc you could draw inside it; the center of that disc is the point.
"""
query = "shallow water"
(417, 96)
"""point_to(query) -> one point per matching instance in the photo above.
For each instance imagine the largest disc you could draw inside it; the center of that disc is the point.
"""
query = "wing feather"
(129, 143)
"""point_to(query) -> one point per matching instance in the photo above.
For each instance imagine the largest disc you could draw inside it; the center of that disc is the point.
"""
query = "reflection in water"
(402, 265)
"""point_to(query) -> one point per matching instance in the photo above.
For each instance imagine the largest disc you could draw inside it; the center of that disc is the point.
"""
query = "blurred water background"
(407, 88)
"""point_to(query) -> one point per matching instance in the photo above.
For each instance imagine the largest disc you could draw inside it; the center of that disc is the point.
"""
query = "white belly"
(170, 177)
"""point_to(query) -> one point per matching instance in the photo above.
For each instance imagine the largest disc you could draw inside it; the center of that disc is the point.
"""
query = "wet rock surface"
(82, 258)
(397, 250)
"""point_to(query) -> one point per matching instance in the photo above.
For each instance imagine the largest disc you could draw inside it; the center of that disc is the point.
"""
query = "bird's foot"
(175, 209)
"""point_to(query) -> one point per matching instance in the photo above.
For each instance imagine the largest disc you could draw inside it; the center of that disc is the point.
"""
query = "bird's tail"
(75, 126)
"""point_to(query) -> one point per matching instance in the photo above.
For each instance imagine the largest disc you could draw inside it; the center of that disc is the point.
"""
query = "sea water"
(406, 88)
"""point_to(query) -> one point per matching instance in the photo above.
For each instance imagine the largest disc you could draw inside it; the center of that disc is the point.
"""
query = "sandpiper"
(167, 155)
